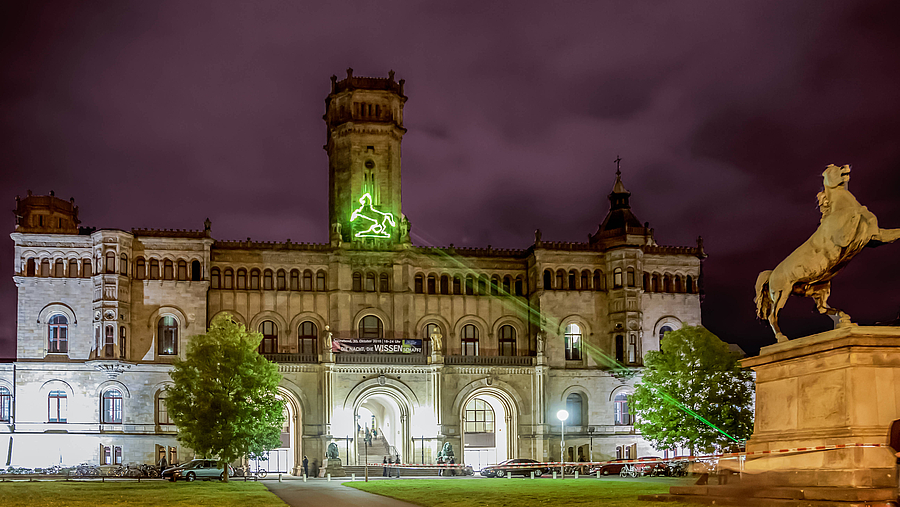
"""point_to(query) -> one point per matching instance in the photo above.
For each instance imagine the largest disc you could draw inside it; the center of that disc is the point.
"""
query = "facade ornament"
(328, 340)
(846, 227)
(112, 368)
(436, 345)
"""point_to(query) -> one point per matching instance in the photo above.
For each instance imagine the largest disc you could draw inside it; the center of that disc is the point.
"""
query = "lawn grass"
(607, 492)
(147, 493)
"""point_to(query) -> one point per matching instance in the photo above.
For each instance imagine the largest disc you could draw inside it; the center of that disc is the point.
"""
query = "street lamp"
(562, 415)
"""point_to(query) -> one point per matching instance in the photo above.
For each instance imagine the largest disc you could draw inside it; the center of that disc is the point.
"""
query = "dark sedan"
(611, 468)
(517, 466)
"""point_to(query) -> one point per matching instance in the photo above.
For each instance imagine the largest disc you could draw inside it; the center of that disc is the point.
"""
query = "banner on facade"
(377, 345)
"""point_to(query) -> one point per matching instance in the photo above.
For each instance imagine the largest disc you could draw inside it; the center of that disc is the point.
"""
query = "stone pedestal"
(334, 467)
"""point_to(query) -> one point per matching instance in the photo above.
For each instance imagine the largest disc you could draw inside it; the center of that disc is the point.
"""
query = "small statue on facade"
(540, 342)
(436, 345)
(327, 338)
(846, 227)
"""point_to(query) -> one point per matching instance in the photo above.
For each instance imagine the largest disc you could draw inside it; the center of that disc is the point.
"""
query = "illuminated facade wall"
(526, 331)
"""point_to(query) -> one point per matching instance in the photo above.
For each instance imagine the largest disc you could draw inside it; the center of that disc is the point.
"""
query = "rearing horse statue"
(845, 229)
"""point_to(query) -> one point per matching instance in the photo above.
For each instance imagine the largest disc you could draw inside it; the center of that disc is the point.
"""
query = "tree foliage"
(223, 397)
(695, 372)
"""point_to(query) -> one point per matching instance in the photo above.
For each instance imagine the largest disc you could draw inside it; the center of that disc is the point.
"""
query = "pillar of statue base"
(334, 467)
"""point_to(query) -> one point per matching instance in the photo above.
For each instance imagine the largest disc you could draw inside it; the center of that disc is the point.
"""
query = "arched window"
(573, 342)
(196, 271)
(167, 336)
(654, 282)
(507, 285)
(295, 279)
(5, 405)
(690, 284)
(370, 282)
(667, 283)
(632, 348)
(241, 282)
(430, 329)
(228, 279)
(548, 279)
(385, 283)
(112, 407)
(678, 286)
(308, 337)
(214, 278)
(432, 284)
(371, 327)
(281, 280)
(623, 416)
(663, 330)
(457, 285)
(254, 279)
(470, 285)
(73, 268)
(646, 285)
(419, 284)
(269, 343)
(154, 269)
(30, 267)
(495, 286)
(574, 408)
(162, 412)
(268, 282)
(470, 340)
(182, 270)
(307, 280)
(58, 335)
(482, 285)
(320, 281)
(585, 280)
(573, 280)
(560, 279)
(109, 346)
(123, 265)
(507, 340)
(620, 349)
(357, 282)
(140, 268)
(617, 278)
(57, 407)
(479, 420)
(86, 271)
(45, 267)
(59, 268)
(629, 277)
(110, 261)
(168, 270)
(520, 289)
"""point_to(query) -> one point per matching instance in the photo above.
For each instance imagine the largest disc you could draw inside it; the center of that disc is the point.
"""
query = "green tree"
(223, 397)
(693, 394)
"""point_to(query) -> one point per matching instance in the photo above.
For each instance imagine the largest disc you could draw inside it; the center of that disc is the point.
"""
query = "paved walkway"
(297, 493)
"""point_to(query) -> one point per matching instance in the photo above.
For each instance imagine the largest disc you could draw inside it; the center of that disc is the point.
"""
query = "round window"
(370, 164)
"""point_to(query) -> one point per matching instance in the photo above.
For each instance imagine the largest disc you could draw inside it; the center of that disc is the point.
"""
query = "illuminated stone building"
(479, 347)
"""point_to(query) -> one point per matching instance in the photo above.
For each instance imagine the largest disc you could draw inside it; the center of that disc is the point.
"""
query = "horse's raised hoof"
(780, 337)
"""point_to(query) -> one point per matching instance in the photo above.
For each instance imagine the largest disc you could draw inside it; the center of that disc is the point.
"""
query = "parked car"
(169, 473)
(611, 468)
(513, 467)
(650, 467)
(202, 469)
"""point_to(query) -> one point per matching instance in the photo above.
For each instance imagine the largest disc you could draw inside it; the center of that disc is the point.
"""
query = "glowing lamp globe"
(562, 415)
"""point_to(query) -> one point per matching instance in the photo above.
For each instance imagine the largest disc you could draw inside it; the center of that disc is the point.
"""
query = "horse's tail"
(763, 301)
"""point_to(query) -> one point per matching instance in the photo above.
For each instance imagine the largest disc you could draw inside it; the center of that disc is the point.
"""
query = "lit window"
(479, 417)
(507, 341)
(371, 327)
(623, 417)
(162, 413)
(58, 334)
(573, 342)
(308, 336)
(573, 406)
(269, 344)
(632, 348)
(470, 340)
(57, 406)
(167, 336)
(112, 407)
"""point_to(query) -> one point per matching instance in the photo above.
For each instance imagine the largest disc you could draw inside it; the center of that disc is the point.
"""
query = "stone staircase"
(376, 452)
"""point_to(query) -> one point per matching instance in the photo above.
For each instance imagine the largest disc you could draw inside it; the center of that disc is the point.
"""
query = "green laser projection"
(380, 220)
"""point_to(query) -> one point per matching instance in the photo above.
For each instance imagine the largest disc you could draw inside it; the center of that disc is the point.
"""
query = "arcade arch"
(488, 416)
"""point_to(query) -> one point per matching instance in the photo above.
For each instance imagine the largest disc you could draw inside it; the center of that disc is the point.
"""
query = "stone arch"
(507, 396)
(112, 384)
(517, 325)
(404, 401)
(57, 308)
(385, 320)
(479, 322)
(621, 389)
(56, 384)
(237, 317)
(174, 311)
(433, 318)
(667, 320)
(585, 401)
(268, 315)
(301, 317)
(574, 319)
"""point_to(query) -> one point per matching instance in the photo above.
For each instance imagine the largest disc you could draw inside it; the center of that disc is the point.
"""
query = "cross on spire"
(618, 159)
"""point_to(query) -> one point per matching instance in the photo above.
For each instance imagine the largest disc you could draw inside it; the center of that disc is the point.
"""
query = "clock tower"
(364, 120)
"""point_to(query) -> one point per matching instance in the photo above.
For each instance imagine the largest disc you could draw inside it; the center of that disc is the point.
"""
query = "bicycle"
(628, 471)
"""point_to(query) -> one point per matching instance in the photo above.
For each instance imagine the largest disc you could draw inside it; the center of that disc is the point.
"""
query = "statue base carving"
(837, 387)
(334, 467)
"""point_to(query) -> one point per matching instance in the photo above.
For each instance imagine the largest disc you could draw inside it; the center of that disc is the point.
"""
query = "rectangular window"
(320, 281)
(109, 349)
(57, 406)
(162, 414)
(105, 454)
(117, 455)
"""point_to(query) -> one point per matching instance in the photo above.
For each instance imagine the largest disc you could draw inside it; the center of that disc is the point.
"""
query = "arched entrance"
(488, 421)
(387, 412)
(288, 455)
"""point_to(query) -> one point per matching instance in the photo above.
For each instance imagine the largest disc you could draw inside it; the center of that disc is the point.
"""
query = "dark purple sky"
(160, 114)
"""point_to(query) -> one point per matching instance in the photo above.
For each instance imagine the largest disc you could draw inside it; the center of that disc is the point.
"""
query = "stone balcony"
(292, 358)
(349, 358)
(491, 360)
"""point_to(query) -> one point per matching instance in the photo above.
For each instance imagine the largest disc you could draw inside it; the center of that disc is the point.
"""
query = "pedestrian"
(374, 433)
(384, 467)
(452, 462)
(398, 468)
(162, 464)
(305, 466)
(440, 461)
(390, 469)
